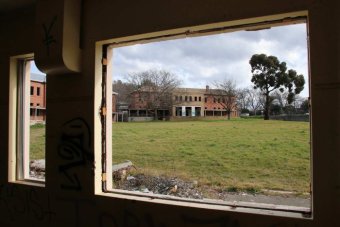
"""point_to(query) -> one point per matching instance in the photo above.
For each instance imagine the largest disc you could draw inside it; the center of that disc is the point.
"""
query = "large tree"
(270, 74)
(155, 88)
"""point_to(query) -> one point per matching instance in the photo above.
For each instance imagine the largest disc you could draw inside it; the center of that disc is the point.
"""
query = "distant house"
(196, 102)
(149, 104)
(182, 102)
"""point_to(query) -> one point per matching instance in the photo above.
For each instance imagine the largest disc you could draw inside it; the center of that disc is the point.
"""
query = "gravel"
(177, 187)
(160, 185)
(37, 169)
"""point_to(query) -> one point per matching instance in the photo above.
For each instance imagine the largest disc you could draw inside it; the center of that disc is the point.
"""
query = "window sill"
(30, 182)
(243, 207)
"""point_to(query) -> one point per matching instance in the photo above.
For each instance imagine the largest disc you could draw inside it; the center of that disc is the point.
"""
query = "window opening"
(168, 163)
(31, 122)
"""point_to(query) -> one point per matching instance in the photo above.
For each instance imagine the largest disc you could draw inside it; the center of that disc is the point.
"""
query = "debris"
(130, 178)
(37, 169)
(38, 165)
(119, 171)
(159, 185)
(145, 190)
(173, 190)
(124, 165)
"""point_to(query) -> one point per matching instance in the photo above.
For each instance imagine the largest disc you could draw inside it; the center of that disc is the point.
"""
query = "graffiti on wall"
(16, 202)
(48, 37)
(74, 150)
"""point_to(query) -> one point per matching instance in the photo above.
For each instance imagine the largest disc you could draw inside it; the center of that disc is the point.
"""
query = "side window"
(30, 137)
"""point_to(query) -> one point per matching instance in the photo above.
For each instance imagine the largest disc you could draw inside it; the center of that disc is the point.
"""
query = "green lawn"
(37, 141)
(241, 154)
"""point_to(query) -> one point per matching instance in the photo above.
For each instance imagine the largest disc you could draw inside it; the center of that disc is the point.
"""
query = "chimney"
(207, 88)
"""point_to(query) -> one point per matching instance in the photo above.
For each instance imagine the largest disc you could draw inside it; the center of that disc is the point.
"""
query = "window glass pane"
(221, 147)
(37, 120)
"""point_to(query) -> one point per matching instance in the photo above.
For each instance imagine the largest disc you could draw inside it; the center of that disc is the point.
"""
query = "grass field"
(37, 141)
(240, 154)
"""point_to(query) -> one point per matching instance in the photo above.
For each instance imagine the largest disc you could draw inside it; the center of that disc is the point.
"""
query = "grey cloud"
(201, 60)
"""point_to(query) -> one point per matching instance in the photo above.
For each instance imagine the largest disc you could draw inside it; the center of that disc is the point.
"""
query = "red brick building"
(38, 101)
(149, 104)
(185, 102)
(196, 102)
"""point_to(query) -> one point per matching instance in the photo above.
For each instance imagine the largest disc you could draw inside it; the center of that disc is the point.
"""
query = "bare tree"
(286, 102)
(123, 90)
(154, 89)
(242, 98)
(281, 98)
(298, 100)
(255, 99)
(226, 93)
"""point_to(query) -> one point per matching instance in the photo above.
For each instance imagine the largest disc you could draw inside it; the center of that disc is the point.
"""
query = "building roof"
(190, 90)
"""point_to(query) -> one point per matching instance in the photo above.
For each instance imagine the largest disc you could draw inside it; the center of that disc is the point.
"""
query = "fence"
(291, 117)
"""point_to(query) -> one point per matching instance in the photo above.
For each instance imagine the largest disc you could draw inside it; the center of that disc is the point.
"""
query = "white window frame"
(101, 177)
(19, 121)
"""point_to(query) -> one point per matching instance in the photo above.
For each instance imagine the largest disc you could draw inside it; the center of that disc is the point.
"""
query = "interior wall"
(12, 44)
(69, 197)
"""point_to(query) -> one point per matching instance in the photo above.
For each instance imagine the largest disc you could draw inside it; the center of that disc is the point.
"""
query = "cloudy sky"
(202, 60)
